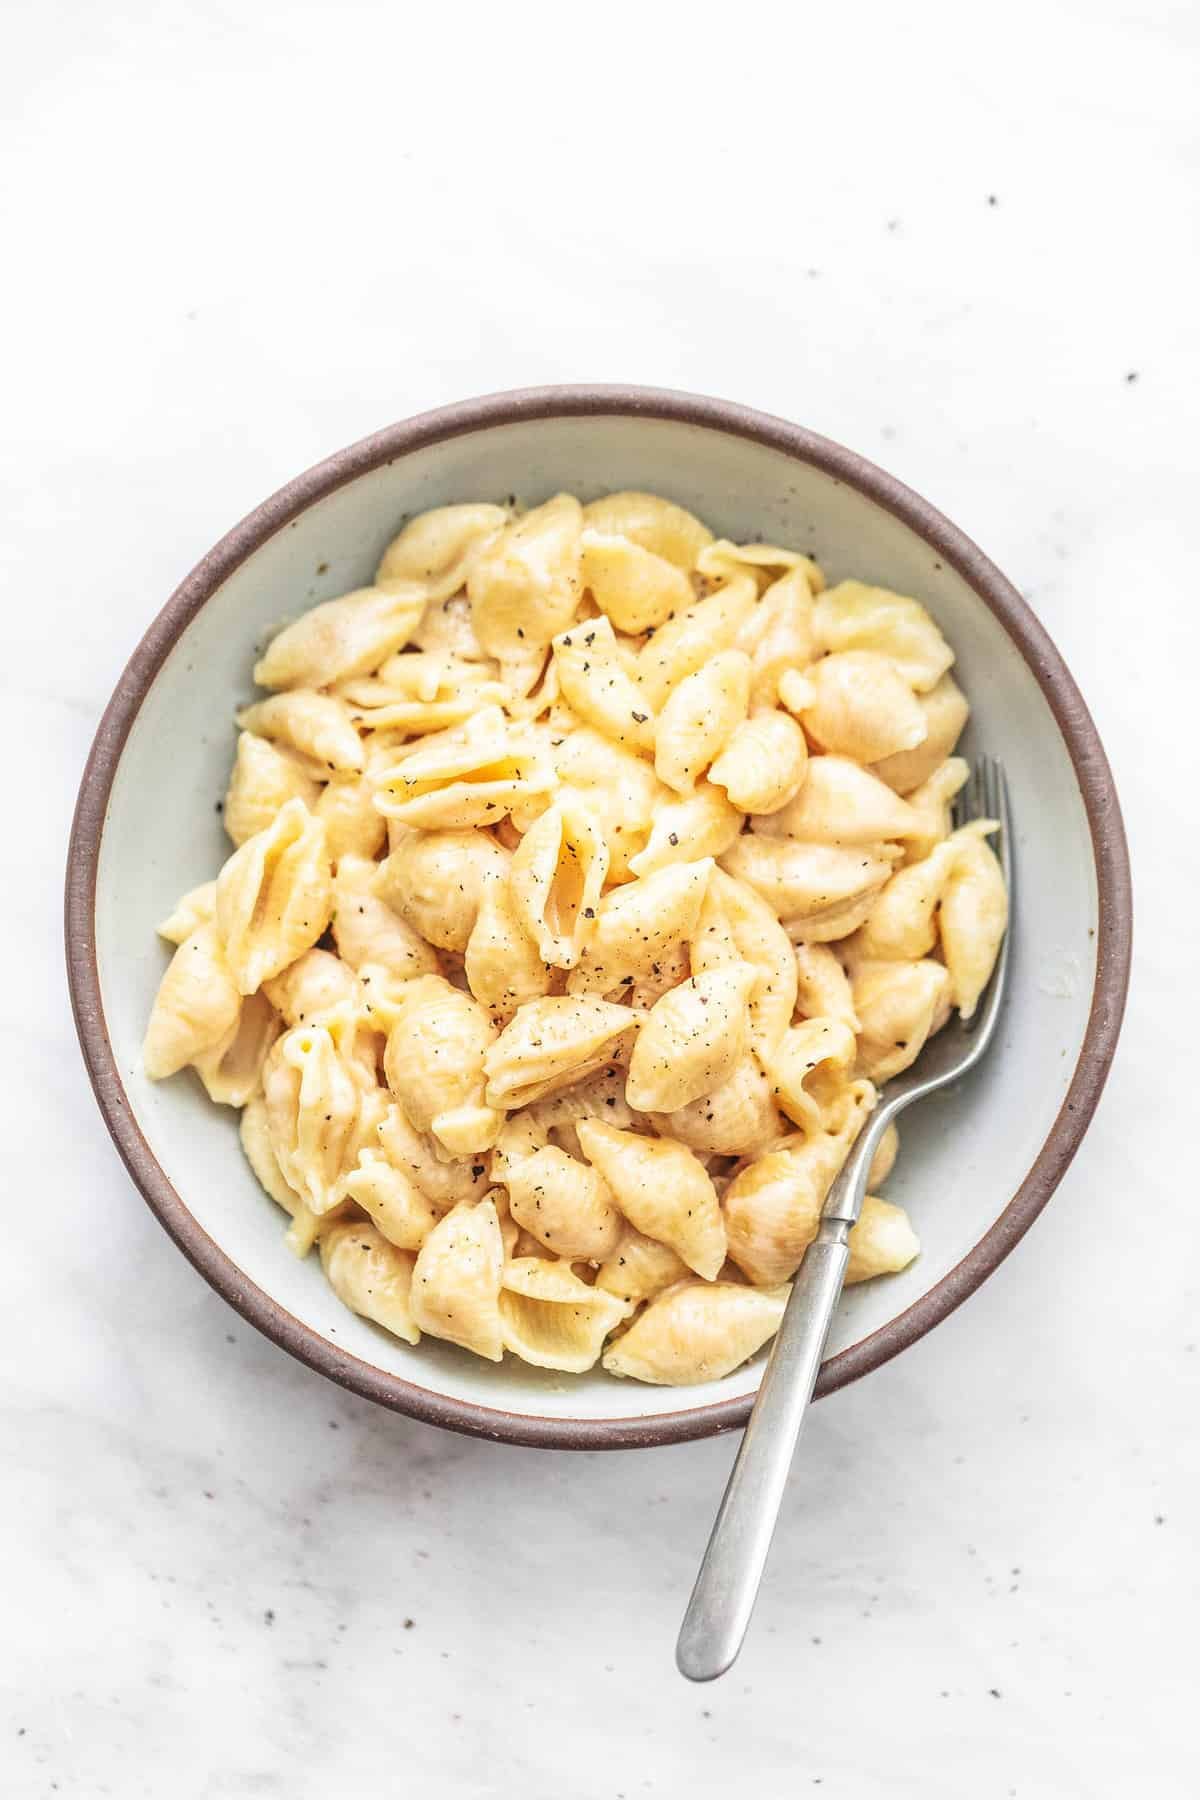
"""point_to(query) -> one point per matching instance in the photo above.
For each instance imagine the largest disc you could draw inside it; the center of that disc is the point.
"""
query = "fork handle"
(727, 1585)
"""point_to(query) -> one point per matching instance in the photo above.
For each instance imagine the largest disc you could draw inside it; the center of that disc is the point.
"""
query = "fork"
(727, 1585)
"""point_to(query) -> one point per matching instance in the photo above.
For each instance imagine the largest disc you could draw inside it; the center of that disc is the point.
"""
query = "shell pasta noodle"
(588, 875)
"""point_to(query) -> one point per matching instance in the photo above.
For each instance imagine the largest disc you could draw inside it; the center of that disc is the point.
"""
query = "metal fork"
(726, 1587)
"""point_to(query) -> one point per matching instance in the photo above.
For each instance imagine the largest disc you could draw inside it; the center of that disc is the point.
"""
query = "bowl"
(978, 1164)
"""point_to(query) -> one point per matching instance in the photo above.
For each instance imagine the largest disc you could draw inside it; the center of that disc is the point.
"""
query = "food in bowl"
(590, 875)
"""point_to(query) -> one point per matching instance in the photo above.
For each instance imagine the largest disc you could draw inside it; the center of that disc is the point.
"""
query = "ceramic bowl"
(978, 1163)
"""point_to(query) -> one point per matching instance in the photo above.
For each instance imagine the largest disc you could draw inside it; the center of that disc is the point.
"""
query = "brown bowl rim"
(1114, 926)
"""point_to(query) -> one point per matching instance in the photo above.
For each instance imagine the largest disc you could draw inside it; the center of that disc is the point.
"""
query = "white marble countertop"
(241, 237)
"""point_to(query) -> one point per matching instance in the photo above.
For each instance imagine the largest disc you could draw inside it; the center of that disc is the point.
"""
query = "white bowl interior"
(963, 1155)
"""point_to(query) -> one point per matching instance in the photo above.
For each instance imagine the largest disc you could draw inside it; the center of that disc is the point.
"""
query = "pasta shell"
(414, 719)
(435, 880)
(197, 907)
(973, 915)
(443, 1180)
(366, 930)
(314, 1107)
(618, 787)
(418, 675)
(834, 924)
(685, 643)
(810, 1061)
(418, 693)
(354, 826)
(447, 630)
(371, 1276)
(264, 779)
(945, 711)
(471, 775)
(317, 987)
(763, 765)
(274, 897)
(525, 586)
(255, 1136)
(556, 880)
(600, 1095)
(657, 525)
(901, 924)
(712, 944)
(456, 1280)
(662, 1189)
(565, 1205)
(778, 635)
(502, 964)
(551, 1043)
(773, 1205)
(231, 1071)
(672, 967)
(515, 1241)
(435, 1063)
(822, 986)
(900, 1005)
(761, 942)
(392, 1200)
(686, 830)
(638, 925)
(521, 1136)
(552, 1319)
(739, 1118)
(768, 563)
(639, 1268)
(842, 803)
(816, 885)
(854, 616)
(342, 638)
(361, 1043)
(597, 685)
(196, 1007)
(882, 1242)
(636, 588)
(544, 706)
(699, 717)
(931, 803)
(699, 1331)
(692, 1040)
(438, 547)
(315, 727)
(855, 704)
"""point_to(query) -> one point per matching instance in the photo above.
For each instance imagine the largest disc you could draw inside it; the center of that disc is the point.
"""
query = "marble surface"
(240, 237)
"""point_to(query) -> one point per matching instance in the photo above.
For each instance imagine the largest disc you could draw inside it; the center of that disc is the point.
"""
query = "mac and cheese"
(589, 875)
